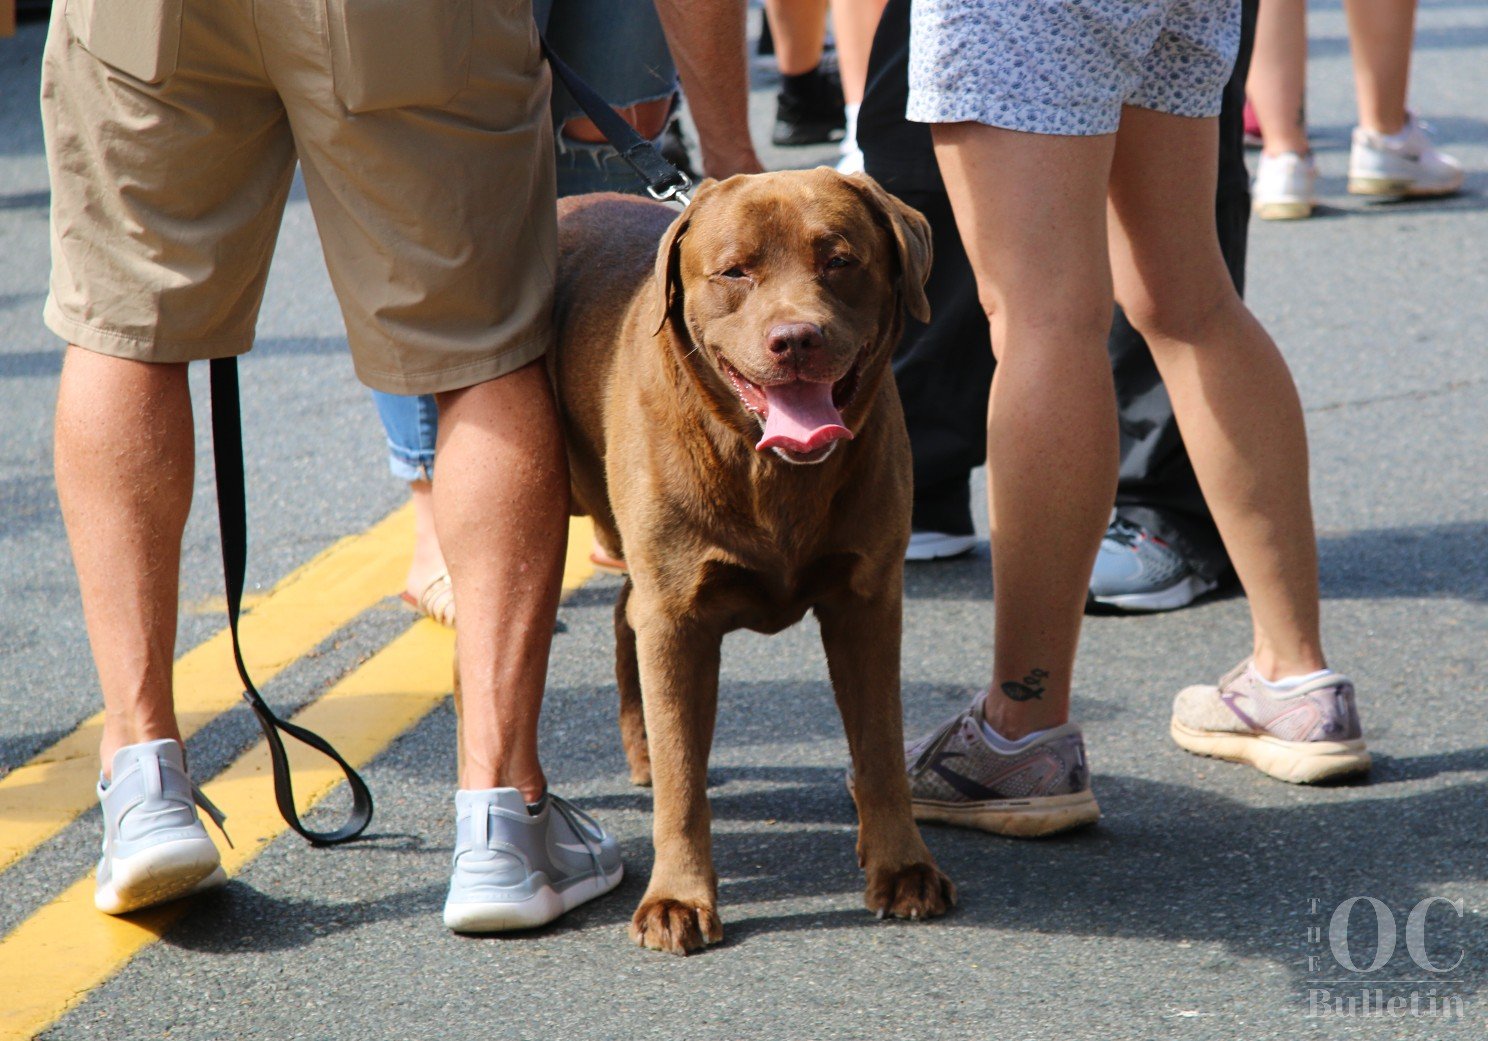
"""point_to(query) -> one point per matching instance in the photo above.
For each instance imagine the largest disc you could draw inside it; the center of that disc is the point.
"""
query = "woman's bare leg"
(799, 28)
(1232, 393)
(1031, 210)
(1381, 34)
(853, 24)
(1277, 84)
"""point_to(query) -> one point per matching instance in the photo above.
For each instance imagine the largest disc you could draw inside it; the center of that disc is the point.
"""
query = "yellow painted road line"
(577, 567)
(40, 798)
(53, 959)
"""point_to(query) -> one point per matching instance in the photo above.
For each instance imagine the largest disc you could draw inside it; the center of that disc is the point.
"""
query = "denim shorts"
(618, 48)
(1067, 67)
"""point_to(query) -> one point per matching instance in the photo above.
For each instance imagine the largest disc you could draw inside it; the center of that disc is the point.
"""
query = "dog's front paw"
(675, 926)
(914, 891)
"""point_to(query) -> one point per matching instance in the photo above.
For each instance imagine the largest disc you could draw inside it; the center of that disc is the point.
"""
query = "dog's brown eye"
(840, 261)
(733, 272)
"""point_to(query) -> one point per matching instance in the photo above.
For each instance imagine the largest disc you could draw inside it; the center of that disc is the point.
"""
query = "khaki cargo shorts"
(422, 127)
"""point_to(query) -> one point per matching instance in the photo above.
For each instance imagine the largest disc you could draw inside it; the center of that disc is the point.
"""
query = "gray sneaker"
(957, 777)
(154, 846)
(516, 869)
(1304, 735)
(1135, 571)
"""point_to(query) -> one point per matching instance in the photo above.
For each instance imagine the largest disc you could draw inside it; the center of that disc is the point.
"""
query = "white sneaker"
(1284, 187)
(518, 868)
(154, 846)
(1403, 164)
(937, 545)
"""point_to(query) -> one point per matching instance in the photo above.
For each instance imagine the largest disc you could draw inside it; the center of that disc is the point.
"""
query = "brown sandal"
(436, 602)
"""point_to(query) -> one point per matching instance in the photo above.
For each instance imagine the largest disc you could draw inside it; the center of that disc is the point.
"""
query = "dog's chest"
(766, 598)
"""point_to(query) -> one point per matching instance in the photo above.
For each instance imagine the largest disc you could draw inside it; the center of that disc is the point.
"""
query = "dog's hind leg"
(862, 637)
(628, 680)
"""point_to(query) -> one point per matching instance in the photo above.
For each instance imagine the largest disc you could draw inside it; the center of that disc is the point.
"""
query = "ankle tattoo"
(1032, 686)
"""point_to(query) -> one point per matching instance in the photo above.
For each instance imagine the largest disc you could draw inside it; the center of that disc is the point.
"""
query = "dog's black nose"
(797, 337)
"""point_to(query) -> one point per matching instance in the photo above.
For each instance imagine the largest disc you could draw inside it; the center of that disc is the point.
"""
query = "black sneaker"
(808, 109)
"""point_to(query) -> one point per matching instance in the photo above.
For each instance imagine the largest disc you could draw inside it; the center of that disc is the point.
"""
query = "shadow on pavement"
(1179, 865)
(1427, 560)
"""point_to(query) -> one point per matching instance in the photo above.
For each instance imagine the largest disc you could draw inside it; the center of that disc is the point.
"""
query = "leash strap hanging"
(663, 180)
(232, 516)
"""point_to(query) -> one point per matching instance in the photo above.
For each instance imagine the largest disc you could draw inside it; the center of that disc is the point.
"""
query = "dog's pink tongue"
(802, 417)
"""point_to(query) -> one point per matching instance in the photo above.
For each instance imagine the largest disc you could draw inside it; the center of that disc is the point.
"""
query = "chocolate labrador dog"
(734, 431)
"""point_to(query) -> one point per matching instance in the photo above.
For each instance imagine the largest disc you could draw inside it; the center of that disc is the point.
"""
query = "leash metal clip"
(679, 189)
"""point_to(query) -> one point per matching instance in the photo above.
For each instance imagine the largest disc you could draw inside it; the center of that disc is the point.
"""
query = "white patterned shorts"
(1068, 66)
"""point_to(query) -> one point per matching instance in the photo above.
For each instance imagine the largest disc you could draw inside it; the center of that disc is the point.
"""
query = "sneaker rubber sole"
(1180, 594)
(1296, 762)
(152, 876)
(1292, 209)
(1018, 818)
(1397, 188)
(537, 910)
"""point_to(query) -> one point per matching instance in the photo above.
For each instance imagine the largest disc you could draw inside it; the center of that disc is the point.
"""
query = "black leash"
(664, 182)
(232, 516)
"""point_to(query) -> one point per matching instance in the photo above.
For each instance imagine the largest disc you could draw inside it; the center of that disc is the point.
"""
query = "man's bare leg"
(125, 460)
(501, 507)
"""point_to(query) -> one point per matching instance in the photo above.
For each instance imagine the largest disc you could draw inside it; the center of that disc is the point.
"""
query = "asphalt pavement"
(1199, 908)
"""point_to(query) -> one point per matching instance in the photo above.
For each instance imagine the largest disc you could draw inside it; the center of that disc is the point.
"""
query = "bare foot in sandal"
(427, 587)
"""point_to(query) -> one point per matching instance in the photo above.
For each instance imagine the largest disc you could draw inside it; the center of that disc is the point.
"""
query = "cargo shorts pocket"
(140, 38)
(399, 53)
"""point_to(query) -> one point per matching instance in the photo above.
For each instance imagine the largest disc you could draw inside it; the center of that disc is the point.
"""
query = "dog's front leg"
(679, 685)
(861, 637)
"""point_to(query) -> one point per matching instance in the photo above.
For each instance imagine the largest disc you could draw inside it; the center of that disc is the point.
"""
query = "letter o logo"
(1338, 934)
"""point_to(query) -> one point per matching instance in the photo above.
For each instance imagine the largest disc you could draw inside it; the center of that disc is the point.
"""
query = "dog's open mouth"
(802, 419)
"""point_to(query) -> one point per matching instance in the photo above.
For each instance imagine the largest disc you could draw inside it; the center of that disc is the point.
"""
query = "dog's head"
(784, 294)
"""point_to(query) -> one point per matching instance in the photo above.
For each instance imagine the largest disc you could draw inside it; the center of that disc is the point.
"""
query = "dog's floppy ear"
(911, 233)
(669, 260)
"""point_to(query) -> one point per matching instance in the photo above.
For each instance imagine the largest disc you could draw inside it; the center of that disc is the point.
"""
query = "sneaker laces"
(572, 815)
(1124, 532)
(933, 742)
(209, 807)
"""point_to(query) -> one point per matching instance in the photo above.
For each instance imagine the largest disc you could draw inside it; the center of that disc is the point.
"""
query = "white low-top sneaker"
(1284, 187)
(154, 846)
(1406, 164)
(517, 867)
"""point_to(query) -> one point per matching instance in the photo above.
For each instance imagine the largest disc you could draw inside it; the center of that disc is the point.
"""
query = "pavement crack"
(1406, 395)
